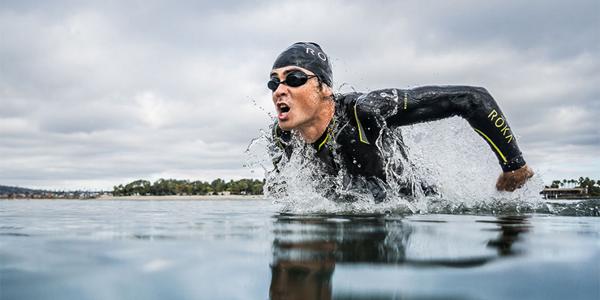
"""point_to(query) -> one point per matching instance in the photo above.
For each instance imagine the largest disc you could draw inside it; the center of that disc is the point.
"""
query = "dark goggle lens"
(273, 84)
(294, 79)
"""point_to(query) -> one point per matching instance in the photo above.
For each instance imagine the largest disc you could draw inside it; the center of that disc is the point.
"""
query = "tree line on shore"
(163, 187)
(592, 186)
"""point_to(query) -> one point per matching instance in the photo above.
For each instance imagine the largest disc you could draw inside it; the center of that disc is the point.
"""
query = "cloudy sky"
(98, 94)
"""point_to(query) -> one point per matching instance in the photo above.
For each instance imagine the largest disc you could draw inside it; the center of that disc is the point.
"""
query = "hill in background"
(14, 192)
(17, 190)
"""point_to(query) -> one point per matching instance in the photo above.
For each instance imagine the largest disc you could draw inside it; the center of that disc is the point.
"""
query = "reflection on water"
(306, 249)
(247, 250)
(510, 229)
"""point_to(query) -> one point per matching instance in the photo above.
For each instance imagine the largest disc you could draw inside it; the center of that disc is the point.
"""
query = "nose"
(281, 90)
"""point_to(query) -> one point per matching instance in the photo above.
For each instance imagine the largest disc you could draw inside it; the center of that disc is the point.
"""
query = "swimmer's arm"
(476, 105)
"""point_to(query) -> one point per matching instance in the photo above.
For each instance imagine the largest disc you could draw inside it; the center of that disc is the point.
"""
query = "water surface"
(246, 249)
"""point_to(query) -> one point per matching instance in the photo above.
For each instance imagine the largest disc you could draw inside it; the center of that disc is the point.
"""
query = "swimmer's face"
(297, 107)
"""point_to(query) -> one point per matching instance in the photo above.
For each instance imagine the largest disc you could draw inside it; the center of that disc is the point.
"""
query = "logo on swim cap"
(321, 55)
(307, 55)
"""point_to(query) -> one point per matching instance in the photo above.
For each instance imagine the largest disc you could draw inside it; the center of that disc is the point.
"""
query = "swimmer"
(301, 84)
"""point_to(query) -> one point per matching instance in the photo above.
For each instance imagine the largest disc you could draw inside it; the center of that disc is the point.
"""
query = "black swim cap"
(309, 56)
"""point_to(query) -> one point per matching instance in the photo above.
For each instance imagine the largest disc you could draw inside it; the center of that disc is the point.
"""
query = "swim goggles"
(293, 79)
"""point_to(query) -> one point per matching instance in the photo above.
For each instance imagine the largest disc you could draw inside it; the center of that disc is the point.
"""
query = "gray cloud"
(93, 95)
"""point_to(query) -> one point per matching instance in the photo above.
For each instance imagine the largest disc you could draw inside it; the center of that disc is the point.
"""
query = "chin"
(285, 127)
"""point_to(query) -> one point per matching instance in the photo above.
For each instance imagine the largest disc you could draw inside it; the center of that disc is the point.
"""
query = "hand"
(510, 181)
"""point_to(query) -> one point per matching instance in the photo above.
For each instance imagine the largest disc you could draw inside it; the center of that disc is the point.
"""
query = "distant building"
(565, 193)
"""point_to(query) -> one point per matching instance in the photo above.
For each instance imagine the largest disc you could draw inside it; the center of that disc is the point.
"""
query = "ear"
(326, 91)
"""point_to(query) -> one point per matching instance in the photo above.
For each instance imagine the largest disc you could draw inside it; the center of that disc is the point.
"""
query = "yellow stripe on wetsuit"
(362, 136)
(323, 142)
(492, 143)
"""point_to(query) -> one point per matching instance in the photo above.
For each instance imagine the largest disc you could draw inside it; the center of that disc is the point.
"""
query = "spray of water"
(465, 171)
(446, 156)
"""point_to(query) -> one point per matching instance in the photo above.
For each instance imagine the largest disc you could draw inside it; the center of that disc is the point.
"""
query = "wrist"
(513, 164)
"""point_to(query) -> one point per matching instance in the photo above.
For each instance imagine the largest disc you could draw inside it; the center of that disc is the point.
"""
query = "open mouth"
(283, 109)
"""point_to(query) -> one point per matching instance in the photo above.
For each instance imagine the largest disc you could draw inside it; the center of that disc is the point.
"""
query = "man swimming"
(348, 131)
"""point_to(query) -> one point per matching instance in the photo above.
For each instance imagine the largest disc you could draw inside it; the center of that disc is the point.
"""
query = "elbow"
(479, 90)
(479, 97)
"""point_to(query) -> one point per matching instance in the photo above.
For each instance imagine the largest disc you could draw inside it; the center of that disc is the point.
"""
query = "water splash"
(447, 155)
(464, 169)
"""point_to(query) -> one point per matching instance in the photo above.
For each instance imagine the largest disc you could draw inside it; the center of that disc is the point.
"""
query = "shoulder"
(345, 100)
(280, 136)
(379, 103)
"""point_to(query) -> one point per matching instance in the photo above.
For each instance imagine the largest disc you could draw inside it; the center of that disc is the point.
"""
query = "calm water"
(245, 249)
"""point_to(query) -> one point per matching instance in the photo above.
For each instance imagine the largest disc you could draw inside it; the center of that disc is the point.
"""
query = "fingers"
(506, 184)
(510, 181)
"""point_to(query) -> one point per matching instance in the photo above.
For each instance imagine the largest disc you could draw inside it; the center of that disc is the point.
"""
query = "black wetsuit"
(365, 119)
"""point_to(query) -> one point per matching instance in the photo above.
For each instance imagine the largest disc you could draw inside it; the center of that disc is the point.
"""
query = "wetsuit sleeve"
(399, 107)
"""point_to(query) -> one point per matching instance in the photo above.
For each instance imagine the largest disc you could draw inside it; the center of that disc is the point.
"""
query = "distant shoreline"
(145, 198)
(180, 197)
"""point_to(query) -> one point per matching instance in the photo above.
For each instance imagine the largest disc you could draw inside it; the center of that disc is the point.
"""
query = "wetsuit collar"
(326, 136)
(328, 133)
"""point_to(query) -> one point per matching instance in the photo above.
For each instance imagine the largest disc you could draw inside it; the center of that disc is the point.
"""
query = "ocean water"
(252, 249)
